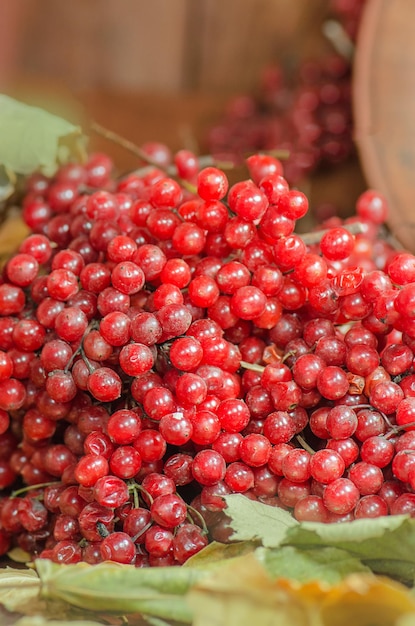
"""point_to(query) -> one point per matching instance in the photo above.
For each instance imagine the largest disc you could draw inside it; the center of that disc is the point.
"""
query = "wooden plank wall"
(161, 45)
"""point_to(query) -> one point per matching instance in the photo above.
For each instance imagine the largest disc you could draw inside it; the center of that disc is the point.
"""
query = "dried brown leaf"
(12, 232)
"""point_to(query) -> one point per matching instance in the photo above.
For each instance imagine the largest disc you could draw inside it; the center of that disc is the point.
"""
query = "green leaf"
(216, 553)
(33, 139)
(329, 565)
(252, 521)
(17, 554)
(109, 587)
(385, 544)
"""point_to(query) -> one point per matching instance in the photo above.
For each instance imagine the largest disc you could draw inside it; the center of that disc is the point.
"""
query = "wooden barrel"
(384, 101)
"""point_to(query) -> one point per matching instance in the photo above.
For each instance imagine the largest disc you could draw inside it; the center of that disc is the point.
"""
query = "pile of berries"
(306, 111)
(165, 343)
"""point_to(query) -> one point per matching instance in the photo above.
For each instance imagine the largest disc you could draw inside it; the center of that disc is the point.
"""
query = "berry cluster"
(164, 344)
(307, 112)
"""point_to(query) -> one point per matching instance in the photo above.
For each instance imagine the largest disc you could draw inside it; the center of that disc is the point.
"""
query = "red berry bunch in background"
(164, 345)
(305, 109)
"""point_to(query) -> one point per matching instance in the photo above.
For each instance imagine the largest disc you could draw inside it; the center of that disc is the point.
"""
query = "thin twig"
(372, 408)
(304, 444)
(309, 239)
(193, 511)
(18, 492)
(123, 142)
(339, 39)
(252, 366)
(204, 160)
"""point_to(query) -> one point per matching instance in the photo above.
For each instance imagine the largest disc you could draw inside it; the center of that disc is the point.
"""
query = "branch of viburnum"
(204, 160)
(170, 170)
(123, 142)
(19, 492)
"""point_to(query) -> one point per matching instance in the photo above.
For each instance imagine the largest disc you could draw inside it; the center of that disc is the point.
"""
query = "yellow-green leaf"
(19, 556)
(20, 593)
(243, 593)
(17, 587)
(215, 553)
(110, 587)
(406, 620)
(32, 139)
(252, 521)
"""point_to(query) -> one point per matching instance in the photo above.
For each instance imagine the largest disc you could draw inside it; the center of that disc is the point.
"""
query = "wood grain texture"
(177, 120)
(10, 24)
(164, 69)
(168, 45)
(101, 43)
(231, 41)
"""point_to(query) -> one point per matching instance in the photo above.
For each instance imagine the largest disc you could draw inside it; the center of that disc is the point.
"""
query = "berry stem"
(339, 39)
(138, 152)
(252, 366)
(188, 186)
(86, 361)
(93, 325)
(136, 499)
(309, 239)
(123, 142)
(135, 488)
(205, 160)
(395, 430)
(72, 359)
(304, 444)
(369, 406)
(194, 512)
(18, 492)
(144, 530)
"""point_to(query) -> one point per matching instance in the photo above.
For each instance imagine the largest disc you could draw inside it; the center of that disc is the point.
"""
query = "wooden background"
(161, 45)
(161, 69)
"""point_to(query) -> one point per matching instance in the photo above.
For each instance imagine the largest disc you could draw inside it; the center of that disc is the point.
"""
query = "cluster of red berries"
(164, 344)
(307, 112)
